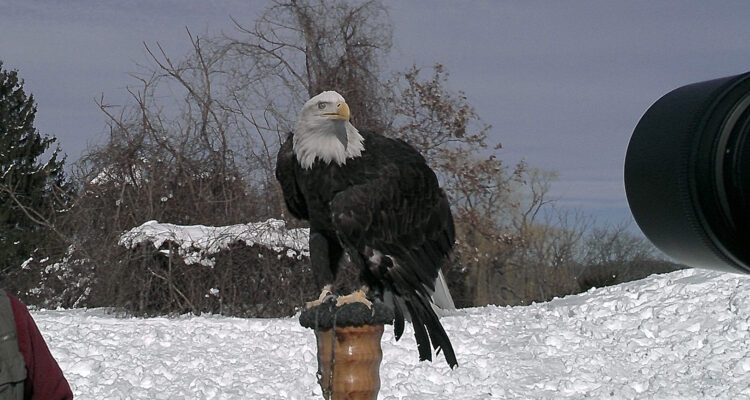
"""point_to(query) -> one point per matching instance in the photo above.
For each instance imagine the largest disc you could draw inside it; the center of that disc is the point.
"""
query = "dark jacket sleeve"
(45, 379)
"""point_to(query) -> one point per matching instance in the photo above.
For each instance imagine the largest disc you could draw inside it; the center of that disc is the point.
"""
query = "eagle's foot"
(325, 296)
(358, 296)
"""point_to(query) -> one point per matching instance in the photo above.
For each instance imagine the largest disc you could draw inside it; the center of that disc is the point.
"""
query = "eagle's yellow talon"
(357, 296)
(323, 296)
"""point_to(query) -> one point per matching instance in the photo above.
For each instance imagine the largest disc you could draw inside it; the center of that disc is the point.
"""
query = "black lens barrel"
(687, 174)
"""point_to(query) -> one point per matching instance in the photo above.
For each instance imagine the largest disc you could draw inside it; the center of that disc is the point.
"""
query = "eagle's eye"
(321, 106)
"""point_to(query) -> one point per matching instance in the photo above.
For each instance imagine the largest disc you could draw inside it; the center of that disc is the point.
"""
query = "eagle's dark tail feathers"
(427, 328)
(398, 320)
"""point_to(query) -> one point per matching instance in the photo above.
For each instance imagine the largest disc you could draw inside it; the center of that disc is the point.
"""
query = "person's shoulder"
(20, 311)
(14, 302)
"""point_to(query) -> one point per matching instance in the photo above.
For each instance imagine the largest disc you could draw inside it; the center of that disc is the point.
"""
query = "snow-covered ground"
(683, 335)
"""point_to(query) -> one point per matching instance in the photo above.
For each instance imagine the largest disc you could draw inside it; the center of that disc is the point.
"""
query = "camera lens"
(687, 174)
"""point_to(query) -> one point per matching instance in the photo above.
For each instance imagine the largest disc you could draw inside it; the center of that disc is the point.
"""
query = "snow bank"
(196, 243)
(682, 335)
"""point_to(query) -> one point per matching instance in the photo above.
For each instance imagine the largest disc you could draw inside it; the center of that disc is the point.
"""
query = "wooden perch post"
(349, 352)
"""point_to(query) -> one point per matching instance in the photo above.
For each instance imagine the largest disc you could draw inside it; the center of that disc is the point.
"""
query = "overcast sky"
(563, 83)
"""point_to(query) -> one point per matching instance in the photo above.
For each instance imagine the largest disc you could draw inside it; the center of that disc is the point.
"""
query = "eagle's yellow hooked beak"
(342, 112)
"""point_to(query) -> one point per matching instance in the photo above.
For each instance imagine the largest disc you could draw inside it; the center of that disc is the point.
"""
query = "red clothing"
(44, 380)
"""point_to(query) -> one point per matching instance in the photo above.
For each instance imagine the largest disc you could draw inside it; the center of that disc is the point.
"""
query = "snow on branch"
(196, 243)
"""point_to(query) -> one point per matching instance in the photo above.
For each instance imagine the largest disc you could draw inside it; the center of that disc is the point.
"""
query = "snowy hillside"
(683, 335)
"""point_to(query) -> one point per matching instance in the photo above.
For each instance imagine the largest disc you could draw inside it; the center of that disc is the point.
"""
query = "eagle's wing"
(400, 216)
(285, 165)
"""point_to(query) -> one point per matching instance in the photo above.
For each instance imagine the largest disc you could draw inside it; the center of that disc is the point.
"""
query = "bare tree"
(171, 156)
(613, 254)
(615, 243)
(444, 127)
(302, 47)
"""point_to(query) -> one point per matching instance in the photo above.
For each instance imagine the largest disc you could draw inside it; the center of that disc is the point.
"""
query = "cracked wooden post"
(349, 352)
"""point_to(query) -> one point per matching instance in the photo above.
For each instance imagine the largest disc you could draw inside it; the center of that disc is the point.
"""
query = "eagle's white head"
(323, 131)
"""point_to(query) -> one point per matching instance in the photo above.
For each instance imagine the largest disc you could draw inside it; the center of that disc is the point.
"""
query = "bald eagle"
(375, 199)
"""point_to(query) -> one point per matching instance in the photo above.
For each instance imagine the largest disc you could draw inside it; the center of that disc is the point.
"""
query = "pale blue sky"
(562, 83)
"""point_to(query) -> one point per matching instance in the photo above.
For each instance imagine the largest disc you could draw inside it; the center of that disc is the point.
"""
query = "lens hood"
(687, 174)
